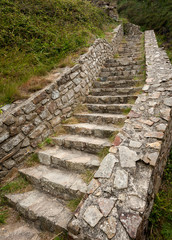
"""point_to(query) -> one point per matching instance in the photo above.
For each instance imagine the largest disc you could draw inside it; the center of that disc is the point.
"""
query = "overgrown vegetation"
(46, 142)
(19, 184)
(36, 34)
(73, 204)
(32, 160)
(160, 221)
(151, 14)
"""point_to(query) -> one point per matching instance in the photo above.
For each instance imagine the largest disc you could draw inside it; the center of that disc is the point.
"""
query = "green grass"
(88, 175)
(160, 220)
(73, 204)
(103, 153)
(46, 142)
(32, 160)
(125, 111)
(148, 14)
(17, 185)
(36, 34)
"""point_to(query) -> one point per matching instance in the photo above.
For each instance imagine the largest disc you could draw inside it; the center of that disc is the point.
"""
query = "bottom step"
(42, 209)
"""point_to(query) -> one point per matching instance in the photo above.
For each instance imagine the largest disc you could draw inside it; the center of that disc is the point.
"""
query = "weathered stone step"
(82, 143)
(111, 99)
(116, 83)
(68, 159)
(121, 62)
(118, 73)
(43, 210)
(108, 108)
(59, 183)
(126, 78)
(100, 118)
(88, 129)
(115, 91)
(120, 68)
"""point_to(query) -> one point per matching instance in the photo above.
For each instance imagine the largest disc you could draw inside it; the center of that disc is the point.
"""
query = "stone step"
(122, 73)
(108, 108)
(125, 78)
(82, 143)
(115, 91)
(100, 118)
(88, 129)
(67, 159)
(110, 99)
(115, 83)
(45, 211)
(120, 68)
(62, 184)
(121, 62)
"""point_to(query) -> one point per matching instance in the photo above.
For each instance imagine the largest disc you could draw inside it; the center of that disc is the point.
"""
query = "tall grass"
(36, 34)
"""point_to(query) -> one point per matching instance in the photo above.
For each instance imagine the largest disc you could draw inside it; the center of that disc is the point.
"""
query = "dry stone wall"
(35, 119)
(121, 194)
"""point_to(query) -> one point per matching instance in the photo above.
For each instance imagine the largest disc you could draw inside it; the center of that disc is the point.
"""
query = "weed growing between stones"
(80, 108)
(103, 153)
(160, 220)
(116, 55)
(46, 142)
(126, 110)
(18, 185)
(112, 137)
(88, 175)
(32, 160)
(71, 120)
(73, 204)
(59, 131)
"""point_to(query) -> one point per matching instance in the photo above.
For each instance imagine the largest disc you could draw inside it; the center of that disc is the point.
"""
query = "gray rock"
(131, 222)
(13, 142)
(128, 157)
(4, 136)
(106, 205)
(109, 227)
(121, 179)
(9, 164)
(92, 215)
(106, 166)
(168, 101)
(55, 94)
(135, 144)
(29, 107)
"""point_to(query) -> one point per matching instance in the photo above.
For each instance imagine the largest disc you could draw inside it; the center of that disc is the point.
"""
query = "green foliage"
(161, 215)
(72, 204)
(17, 185)
(103, 153)
(36, 34)
(32, 160)
(148, 14)
(47, 141)
(125, 111)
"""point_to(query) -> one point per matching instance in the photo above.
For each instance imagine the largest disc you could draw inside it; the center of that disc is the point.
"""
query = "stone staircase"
(58, 178)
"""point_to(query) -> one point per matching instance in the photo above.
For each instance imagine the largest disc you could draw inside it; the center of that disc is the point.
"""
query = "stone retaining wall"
(35, 119)
(121, 194)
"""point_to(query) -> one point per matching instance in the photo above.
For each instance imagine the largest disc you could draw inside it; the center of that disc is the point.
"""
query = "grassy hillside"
(36, 34)
(150, 14)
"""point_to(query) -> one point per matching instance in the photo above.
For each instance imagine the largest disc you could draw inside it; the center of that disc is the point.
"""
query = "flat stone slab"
(43, 208)
(69, 159)
(92, 127)
(55, 181)
(19, 231)
(82, 143)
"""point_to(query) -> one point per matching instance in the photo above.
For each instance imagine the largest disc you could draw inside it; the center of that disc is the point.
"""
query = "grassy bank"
(36, 34)
(160, 224)
(149, 14)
